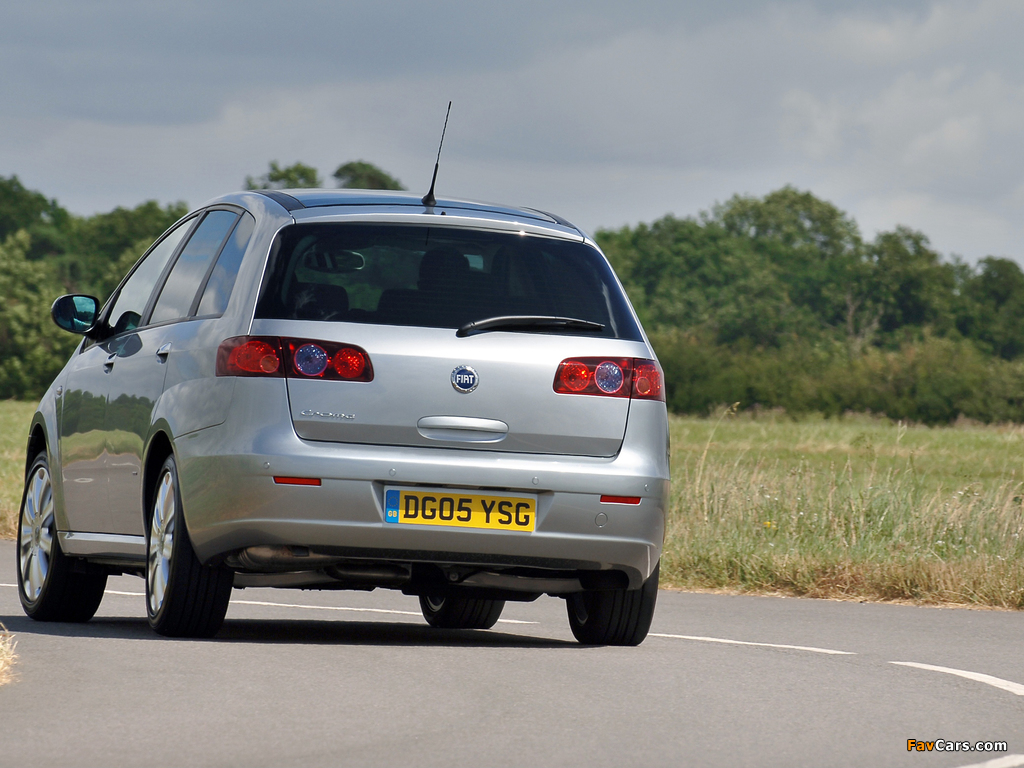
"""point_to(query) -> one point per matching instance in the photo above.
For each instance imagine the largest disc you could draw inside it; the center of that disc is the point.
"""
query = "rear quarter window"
(438, 277)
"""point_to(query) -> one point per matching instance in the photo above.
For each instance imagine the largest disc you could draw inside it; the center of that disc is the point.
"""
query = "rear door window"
(438, 277)
(192, 265)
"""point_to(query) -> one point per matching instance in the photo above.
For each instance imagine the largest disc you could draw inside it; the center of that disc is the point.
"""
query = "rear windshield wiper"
(528, 323)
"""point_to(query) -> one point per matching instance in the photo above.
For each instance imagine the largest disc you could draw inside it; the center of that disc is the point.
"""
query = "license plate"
(504, 512)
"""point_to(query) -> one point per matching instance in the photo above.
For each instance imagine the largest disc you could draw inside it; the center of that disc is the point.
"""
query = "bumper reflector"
(620, 499)
(297, 480)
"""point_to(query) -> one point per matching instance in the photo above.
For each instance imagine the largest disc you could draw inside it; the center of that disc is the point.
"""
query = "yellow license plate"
(506, 512)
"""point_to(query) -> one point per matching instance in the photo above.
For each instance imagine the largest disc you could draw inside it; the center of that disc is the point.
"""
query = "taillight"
(633, 377)
(249, 356)
(293, 358)
(594, 376)
(647, 381)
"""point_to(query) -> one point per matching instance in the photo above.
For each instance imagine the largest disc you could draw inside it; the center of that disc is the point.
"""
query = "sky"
(606, 113)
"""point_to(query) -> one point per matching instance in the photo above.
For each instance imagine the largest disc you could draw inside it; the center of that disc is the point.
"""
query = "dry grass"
(8, 657)
(854, 508)
(15, 418)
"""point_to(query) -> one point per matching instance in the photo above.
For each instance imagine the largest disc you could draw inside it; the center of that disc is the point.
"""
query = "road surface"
(350, 678)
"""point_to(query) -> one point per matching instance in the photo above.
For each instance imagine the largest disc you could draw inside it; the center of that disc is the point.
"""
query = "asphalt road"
(346, 678)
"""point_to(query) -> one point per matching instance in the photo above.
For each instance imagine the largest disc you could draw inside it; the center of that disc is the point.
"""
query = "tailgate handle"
(462, 429)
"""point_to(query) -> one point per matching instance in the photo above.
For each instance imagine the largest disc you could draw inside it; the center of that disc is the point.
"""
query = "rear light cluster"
(293, 358)
(633, 377)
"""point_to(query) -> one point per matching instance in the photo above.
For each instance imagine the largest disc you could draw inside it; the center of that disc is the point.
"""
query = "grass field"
(852, 508)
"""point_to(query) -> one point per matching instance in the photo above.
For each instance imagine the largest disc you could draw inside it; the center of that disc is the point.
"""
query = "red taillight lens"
(647, 384)
(634, 377)
(350, 363)
(249, 356)
(573, 376)
(293, 358)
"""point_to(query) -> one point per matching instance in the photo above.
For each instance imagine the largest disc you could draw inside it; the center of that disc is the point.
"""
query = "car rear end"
(463, 402)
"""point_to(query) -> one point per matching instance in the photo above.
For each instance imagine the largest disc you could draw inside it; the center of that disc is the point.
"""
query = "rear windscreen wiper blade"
(528, 323)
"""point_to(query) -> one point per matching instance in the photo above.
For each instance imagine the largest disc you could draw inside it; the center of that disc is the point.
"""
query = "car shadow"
(293, 632)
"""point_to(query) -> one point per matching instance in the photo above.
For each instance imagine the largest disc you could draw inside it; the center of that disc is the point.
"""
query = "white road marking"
(318, 607)
(998, 682)
(763, 645)
(1010, 761)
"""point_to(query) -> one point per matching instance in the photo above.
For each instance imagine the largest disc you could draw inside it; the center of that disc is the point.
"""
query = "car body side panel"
(194, 397)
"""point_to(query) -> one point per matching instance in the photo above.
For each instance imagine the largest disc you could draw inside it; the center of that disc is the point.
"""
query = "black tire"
(50, 586)
(614, 616)
(460, 612)
(184, 598)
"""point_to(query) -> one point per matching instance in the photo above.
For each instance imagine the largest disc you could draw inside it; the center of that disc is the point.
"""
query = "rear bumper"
(231, 501)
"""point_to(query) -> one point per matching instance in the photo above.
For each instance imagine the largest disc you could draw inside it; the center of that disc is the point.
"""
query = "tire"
(614, 616)
(460, 612)
(184, 598)
(50, 587)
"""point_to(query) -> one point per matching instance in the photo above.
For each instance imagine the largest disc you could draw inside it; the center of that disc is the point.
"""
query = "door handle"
(161, 354)
(108, 366)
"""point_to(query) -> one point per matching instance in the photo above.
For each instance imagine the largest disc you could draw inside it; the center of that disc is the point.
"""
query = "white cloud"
(907, 115)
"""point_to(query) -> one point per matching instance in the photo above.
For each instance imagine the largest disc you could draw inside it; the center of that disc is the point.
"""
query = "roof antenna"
(428, 199)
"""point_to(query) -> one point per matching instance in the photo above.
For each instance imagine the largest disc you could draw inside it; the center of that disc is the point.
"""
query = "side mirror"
(76, 314)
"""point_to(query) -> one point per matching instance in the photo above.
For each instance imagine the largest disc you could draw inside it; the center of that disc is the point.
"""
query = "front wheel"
(50, 587)
(460, 612)
(614, 616)
(184, 598)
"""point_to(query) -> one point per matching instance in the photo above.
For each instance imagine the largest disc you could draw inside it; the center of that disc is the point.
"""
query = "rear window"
(438, 278)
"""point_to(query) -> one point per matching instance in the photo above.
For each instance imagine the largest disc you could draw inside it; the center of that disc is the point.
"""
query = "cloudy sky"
(605, 112)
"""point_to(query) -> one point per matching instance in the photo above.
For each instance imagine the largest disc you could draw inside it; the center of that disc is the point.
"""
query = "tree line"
(779, 302)
(770, 302)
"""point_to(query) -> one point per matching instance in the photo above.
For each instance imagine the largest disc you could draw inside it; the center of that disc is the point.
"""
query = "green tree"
(698, 277)
(910, 284)
(991, 310)
(295, 176)
(32, 348)
(360, 174)
(816, 248)
(94, 243)
(44, 220)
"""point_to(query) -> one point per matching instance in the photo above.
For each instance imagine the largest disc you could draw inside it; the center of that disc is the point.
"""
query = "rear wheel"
(614, 616)
(48, 584)
(460, 612)
(184, 598)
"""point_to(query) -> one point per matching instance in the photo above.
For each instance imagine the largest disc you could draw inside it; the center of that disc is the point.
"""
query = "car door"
(87, 447)
(140, 366)
(82, 442)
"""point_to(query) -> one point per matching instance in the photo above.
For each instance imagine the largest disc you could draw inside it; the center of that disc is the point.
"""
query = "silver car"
(337, 389)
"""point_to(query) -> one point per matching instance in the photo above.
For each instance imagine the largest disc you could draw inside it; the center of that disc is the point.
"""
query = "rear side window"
(438, 277)
(222, 279)
(189, 270)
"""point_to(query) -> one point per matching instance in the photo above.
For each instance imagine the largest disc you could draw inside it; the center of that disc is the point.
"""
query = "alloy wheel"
(37, 531)
(161, 542)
